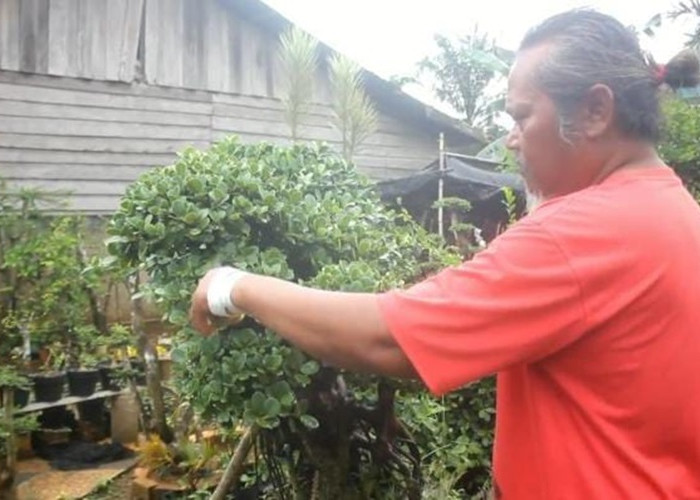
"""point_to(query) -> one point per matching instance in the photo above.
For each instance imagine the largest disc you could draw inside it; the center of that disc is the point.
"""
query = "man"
(588, 309)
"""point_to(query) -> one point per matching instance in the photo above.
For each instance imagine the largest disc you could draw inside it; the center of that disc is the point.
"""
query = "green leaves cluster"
(44, 281)
(680, 144)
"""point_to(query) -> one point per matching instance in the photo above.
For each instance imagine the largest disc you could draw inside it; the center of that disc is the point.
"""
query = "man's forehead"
(521, 80)
(528, 60)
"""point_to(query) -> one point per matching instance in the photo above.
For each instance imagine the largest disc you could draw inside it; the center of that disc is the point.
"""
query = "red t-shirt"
(589, 311)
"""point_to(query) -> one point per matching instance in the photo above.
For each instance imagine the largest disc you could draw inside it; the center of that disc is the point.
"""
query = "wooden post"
(7, 479)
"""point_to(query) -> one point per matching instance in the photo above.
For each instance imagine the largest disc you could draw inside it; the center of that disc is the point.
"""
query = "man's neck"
(626, 155)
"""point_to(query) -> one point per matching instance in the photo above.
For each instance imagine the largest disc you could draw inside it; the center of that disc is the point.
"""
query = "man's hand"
(220, 281)
(200, 317)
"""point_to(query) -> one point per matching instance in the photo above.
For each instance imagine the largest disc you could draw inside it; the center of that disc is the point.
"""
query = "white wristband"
(220, 291)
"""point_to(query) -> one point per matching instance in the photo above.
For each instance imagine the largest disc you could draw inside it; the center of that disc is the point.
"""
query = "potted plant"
(50, 381)
(114, 344)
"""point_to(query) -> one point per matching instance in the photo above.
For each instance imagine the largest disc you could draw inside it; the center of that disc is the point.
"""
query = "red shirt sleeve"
(515, 302)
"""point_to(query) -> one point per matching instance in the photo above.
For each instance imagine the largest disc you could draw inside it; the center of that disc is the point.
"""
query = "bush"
(301, 214)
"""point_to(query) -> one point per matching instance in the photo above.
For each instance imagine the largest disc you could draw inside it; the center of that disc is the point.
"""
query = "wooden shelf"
(69, 400)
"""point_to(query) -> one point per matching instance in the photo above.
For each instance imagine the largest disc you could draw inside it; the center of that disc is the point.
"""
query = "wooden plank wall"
(207, 73)
(93, 138)
(207, 45)
(80, 38)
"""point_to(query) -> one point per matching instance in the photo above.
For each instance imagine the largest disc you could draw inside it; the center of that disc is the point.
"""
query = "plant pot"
(57, 418)
(24, 445)
(92, 411)
(21, 398)
(138, 365)
(108, 381)
(51, 437)
(48, 387)
(83, 382)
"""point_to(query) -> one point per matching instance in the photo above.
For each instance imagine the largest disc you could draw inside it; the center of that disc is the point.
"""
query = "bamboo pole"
(441, 184)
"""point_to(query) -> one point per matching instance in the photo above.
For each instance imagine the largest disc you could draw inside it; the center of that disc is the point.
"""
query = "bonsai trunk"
(153, 382)
(97, 308)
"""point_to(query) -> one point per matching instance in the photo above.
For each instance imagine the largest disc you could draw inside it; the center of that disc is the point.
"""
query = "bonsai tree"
(299, 213)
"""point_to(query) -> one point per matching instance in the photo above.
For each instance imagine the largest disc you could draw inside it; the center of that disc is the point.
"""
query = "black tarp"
(467, 178)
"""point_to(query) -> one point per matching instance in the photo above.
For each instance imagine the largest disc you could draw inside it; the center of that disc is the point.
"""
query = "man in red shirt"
(588, 309)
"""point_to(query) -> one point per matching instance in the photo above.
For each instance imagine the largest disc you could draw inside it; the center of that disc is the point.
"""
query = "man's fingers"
(200, 318)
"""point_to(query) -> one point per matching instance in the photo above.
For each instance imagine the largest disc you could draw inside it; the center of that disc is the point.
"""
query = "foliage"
(44, 283)
(462, 234)
(19, 425)
(465, 73)
(459, 427)
(510, 201)
(298, 213)
(11, 378)
(154, 454)
(680, 144)
(298, 53)
(354, 115)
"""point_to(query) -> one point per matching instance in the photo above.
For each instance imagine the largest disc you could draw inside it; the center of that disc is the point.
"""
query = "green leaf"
(309, 421)
(177, 355)
(272, 407)
(310, 368)
(282, 391)
(257, 404)
(273, 362)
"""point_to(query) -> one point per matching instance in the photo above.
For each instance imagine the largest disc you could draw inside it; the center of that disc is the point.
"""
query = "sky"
(388, 37)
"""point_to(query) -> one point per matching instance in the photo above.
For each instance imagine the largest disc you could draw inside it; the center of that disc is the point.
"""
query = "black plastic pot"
(48, 387)
(21, 398)
(139, 367)
(83, 382)
(57, 418)
(108, 380)
(92, 411)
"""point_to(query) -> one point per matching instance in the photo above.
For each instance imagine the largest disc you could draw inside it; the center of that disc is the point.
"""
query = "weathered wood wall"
(80, 38)
(85, 107)
(93, 138)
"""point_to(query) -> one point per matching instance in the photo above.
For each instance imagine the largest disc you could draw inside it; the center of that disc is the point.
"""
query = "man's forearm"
(344, 329)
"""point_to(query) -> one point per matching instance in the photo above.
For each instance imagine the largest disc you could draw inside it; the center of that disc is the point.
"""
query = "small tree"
(299, 56)
(464, 74)
(354, 114)
(298, 213)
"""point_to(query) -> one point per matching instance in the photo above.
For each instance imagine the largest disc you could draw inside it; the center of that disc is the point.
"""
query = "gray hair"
(591, 48)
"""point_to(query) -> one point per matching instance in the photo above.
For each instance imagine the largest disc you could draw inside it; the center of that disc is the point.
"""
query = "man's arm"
(344, 329)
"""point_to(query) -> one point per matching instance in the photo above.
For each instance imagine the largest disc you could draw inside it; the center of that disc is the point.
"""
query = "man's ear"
(597, 111)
